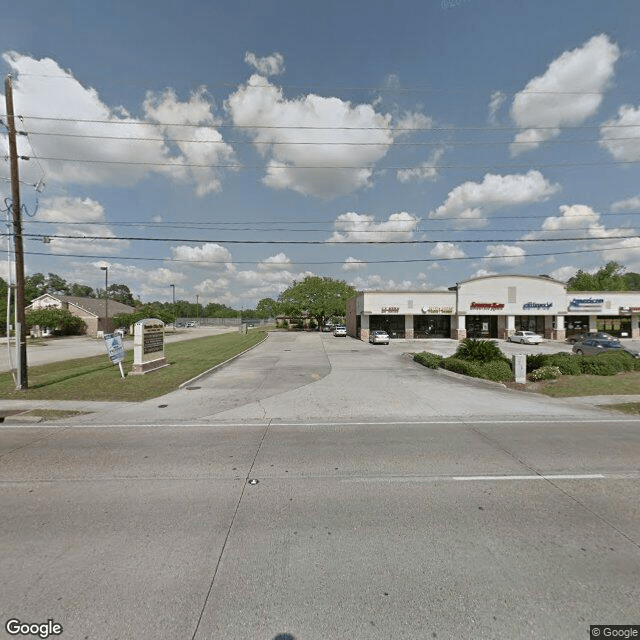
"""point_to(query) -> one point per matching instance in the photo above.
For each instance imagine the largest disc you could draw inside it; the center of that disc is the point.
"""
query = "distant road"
(68, 348)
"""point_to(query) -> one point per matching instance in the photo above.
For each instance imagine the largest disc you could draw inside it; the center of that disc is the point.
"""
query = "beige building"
(91, 310)
(494, 307)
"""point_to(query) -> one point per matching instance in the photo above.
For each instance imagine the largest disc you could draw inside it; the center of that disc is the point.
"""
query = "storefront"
(494, 307)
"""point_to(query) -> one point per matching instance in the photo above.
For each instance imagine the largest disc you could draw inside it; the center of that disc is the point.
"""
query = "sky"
(232, 148)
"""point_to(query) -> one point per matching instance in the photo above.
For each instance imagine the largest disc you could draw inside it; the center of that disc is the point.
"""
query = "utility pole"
(21, 324)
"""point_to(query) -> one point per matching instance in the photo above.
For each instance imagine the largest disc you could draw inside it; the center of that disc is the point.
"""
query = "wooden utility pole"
(21, 325)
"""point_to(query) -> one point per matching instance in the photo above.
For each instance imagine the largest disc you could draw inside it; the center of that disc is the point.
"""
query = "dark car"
(594, 346)
(589, 335)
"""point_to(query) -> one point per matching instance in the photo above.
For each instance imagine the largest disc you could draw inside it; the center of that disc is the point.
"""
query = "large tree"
(61, 320)
(321, 298)
(267, 308)
(608, 278)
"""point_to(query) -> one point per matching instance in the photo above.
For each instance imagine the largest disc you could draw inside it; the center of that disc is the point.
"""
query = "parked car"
(589, 335)
(379, 337)
(594, 346)
(525, 337)
(191, 324)
(340, 331)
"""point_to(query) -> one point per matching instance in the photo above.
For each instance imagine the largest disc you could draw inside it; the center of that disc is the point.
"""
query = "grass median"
(95, 378)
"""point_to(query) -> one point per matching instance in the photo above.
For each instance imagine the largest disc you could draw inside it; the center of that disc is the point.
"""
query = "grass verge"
(624, 383)
(627, 407)
(96, 378)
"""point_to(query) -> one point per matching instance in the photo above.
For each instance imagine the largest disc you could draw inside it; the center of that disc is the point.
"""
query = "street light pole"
(106, 298)
(173, 287)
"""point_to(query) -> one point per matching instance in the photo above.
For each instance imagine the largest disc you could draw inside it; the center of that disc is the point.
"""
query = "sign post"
(115, 349)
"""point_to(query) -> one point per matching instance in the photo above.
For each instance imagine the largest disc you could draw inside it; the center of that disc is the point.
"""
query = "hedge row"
(604, 364)
(497, 370)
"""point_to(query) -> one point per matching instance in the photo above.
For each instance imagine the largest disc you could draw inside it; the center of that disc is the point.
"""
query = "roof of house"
(94, 306)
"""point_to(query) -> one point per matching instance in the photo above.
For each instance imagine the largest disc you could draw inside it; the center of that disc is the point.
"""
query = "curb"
(222, 364)
(460, 377)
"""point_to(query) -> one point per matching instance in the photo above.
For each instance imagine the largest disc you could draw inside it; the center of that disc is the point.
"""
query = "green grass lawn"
(96, 378)
(625, 383)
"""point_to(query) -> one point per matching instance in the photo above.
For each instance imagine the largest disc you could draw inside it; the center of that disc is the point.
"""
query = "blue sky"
(230, 148)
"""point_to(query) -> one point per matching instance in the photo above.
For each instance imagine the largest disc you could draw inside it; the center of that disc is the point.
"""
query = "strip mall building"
(494, 307)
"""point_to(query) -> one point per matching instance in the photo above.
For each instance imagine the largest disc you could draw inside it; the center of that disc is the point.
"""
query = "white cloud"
(504, 255)
(447, 250)
(471, 202)
(355, 227)
(80, 218)
(621, 136)
(110, 146)
(426, 171)
(279, 261)
(353, 264)
(496, 102)
(208, 256)
(378, 283)
(563, 273)
(317, 146)
(630, 204)
(271, 65)
(575, 221)
(569, 92)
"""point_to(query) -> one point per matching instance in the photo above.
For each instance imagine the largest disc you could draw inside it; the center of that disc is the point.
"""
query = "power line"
(389, 128)
(314, 242)
(333, 262)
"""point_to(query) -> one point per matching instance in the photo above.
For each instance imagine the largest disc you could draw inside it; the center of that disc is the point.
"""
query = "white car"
(379, 337)
(526, 337)
(340, 331)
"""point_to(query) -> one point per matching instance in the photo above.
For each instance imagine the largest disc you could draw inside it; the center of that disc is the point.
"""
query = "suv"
(340, 331)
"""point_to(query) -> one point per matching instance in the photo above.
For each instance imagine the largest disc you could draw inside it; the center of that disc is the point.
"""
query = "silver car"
(525, 337)
(595, 346)
(379, 337)
(340, 331)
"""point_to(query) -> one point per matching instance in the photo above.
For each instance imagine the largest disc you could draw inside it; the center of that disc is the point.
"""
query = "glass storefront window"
(530, 323)
(482, 326)
(618, 326)
(431, 326)
(393, 325)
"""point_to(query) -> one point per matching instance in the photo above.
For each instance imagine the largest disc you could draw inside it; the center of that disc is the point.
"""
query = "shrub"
(568, 364)
(464, 367)
(597, 366)
(497, 370)
(536, 361)
(546, 373)
(431, 360)
(479, 350)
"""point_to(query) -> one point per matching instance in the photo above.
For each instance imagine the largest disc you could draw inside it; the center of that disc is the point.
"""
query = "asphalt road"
(402, 505)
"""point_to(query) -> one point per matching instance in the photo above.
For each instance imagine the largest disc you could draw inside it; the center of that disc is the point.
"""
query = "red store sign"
(487, 306)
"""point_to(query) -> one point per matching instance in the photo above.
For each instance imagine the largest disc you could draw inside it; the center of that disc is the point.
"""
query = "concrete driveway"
(317, 377)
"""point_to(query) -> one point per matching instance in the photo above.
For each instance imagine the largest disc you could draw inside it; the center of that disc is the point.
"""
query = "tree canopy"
(320, 297)
(611, 277)
(61, 320)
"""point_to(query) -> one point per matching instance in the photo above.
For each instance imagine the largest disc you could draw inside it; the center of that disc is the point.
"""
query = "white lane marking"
(463, 421)
(560, 476)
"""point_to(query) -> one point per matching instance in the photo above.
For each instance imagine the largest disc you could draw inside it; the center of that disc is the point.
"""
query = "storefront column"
(408, 326)
(593, 323)
(364, 328)
(511, 326)
(459, 327)
(635, 327)
(559, 333)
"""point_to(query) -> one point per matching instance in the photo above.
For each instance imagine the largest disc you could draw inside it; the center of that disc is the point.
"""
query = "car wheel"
(579, 352)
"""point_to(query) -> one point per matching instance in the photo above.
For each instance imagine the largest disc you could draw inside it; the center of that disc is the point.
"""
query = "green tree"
(81, 291)
(608, 278)
(632, 281)
(3, 306)
(267, 308)
(320, 297)
(56, 284)
(34, 286)
(61, 321)
(121, 293)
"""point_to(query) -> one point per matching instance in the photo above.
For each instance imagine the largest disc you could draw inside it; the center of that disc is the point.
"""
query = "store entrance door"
(482, 327)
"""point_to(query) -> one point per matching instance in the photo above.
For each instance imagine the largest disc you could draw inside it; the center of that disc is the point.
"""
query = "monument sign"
(148, 346)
